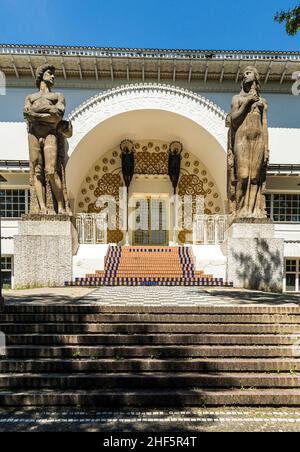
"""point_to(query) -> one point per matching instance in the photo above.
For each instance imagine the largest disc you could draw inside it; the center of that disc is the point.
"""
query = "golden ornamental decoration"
(150, 163)
(190, 184)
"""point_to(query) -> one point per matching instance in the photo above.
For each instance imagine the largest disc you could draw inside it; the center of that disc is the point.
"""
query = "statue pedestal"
(255, 258)
(44, 250)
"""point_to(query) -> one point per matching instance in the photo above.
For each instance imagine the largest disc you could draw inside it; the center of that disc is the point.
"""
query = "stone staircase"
(150, 357)
(151, 265)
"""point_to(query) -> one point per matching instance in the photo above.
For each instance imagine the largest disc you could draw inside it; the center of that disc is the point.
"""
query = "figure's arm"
(265, 131)
(27, 107)
(240, 107)
(60, 106)
(29, 114)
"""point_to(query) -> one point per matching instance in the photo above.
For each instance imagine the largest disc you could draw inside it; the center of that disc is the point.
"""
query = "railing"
(92, 229)
(210, 229)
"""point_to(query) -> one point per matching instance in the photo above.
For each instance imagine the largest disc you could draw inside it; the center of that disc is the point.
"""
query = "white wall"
(89, 258)
(284, 109)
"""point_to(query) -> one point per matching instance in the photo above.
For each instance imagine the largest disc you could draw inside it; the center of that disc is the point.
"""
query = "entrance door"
(151, 222)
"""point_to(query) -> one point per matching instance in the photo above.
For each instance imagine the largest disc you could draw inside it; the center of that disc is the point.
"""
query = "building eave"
(19, 61)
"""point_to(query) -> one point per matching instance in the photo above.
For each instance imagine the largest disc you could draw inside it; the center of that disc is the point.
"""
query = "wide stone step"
(150, 352)
(93, 364)
(151, 339)
(148, 380)
(113, 310)
(153, 398)
(150, 318)
(148, 328)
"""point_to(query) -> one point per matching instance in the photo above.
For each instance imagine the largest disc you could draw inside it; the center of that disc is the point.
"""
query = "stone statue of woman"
(248, 150)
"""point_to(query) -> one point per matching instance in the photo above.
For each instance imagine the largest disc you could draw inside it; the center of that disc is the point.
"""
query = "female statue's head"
(45, 73)
(251, 76)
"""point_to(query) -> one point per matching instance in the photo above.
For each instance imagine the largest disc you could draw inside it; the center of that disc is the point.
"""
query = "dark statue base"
(44, 250)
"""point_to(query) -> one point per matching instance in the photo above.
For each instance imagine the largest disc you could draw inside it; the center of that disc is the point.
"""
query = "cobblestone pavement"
(194, 420)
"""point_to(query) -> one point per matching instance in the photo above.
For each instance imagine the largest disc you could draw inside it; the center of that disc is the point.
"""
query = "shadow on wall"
(264, 272)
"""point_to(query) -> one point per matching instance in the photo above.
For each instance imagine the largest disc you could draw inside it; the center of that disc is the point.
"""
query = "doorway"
(151, 220)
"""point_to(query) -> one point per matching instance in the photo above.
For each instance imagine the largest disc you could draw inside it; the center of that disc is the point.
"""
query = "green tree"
(291, 18)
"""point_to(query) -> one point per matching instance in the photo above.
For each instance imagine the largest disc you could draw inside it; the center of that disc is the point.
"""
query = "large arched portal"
(151, 116)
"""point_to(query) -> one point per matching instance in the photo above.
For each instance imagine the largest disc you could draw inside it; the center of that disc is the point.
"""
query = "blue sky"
(186, 24)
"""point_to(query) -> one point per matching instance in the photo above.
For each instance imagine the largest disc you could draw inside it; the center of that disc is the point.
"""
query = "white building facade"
(151, 97)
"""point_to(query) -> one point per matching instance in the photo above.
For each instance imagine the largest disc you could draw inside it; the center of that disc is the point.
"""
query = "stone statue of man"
(44, 112)
(248, 151)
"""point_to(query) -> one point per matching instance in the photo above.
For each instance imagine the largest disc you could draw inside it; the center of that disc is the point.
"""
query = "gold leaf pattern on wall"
(150, 163)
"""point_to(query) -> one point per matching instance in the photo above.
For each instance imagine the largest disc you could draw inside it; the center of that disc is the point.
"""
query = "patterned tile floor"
(154, 296)
(176, 296)
(147, 296)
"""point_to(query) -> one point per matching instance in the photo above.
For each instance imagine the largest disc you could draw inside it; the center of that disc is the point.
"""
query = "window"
(283, 208)
(6, 269)
(14, 203)
(292, 275)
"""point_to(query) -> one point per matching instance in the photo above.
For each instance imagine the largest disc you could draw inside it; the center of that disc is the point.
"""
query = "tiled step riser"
(58, 340)
(103, 382)
(279, 366)
(155, 399)
(116, 282)
(150, 352)
(67, 328)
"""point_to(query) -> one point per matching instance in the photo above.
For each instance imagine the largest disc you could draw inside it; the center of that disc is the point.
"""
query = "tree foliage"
(291, 18)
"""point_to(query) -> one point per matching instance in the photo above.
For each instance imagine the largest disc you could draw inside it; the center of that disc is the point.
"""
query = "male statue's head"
(250, 77)
(45, 73)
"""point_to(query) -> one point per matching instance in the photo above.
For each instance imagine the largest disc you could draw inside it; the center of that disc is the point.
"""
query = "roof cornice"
(56, 50)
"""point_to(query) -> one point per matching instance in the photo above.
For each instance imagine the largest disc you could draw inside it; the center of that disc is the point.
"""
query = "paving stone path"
(194, 420)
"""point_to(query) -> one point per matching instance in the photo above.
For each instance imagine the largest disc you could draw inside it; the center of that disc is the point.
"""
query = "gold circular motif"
(89, 180)
(209, 192)
(97, 168)
(218, 209)
(81, 205)
(165, 147)
(87, 200)
(115, 154)
(210, 204)
(157, 149)
(137, 146)
(188, 164)
(145, 148)
(205, 180)
(196, 163)
(211, 184)
(92, 187)
(112, 162)
(84, 191)
(105, 161)
(150, 145)
(196, 171)
(216, 195)
(96, 177)
(186, 156)
(204, 173)
(105, 169)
